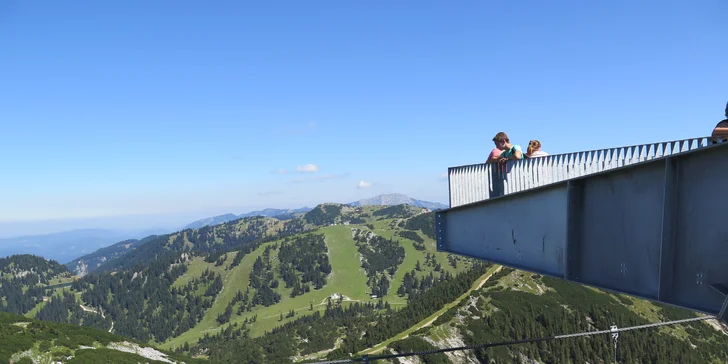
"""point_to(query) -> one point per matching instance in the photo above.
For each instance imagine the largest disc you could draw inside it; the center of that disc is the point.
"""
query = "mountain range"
(392, 199)
(389, 199)
(85, 249)
(338, 282)
(216, 220)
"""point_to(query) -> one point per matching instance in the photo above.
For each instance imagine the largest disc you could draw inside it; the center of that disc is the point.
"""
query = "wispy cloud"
(270, 193)
(364, 184)
(309, 168)
(331, 176)
(280, 171)
(443, 177)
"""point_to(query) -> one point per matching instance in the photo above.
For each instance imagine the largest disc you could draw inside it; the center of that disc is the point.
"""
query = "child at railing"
(534, 150)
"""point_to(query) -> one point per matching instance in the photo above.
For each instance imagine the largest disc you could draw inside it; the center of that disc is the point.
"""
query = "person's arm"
(517, 154)
(493, 157)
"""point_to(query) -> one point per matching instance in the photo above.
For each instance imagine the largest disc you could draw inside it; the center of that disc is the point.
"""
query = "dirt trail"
(428, 321)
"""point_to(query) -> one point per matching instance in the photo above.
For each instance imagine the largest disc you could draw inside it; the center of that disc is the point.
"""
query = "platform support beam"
(669, 216)
(723, 313)
(574, 212)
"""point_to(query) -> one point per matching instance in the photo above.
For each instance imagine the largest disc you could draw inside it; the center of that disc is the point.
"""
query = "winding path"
(429, 320)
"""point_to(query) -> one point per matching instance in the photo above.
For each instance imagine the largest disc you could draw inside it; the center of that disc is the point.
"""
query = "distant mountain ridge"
(126, 244)
(391, 199)
(215, 220)
(63, 246)
(283, 214)
(89, 262)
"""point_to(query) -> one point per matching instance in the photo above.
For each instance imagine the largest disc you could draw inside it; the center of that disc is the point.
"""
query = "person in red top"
(720, 133)
(494, 155)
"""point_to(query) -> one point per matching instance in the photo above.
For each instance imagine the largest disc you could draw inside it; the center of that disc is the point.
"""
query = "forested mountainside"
(23, 281)
(220, 238)
(280, 214)
(33, 341)
(255, 269)
(516, 305)
(341, 281)
(90, 262)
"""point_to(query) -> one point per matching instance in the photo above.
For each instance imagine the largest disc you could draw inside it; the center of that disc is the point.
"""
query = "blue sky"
(192, 108)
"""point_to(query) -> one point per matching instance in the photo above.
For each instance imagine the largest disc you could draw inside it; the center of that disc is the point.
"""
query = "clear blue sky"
(186, 107)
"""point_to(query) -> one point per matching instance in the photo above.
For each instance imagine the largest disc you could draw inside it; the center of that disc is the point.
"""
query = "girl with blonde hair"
(534, 150)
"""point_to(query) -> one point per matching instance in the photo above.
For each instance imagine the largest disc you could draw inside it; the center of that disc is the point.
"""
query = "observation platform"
(649, 220)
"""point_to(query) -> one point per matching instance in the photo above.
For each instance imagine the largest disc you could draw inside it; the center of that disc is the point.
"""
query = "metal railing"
(477, 182)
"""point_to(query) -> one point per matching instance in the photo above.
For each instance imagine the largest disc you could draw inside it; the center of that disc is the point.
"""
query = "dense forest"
(323, 215)
(245, 234)
(304, 262)
(380, 259)
(396, 212)
(17, 265)
(91, 262)
(142, 304)
(263, 280)
(422, 222)
(23, 281)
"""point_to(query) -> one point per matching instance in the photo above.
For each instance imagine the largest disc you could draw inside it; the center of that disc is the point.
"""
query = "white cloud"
(363, 184)
(270, 193)
(443, 177)
(280, 171)
(308, 168)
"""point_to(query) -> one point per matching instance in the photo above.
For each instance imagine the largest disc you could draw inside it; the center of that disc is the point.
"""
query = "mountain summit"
(397, 199)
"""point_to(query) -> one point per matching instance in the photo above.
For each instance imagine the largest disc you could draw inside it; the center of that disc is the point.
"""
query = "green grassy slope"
(347, 279)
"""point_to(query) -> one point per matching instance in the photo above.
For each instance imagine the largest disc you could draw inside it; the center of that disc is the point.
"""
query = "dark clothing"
(720, 136)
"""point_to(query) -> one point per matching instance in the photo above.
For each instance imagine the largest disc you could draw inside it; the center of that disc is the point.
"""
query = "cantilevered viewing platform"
(646, 220)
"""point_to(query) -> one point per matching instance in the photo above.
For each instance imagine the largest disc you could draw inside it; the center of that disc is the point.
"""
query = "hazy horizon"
(168, 221)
